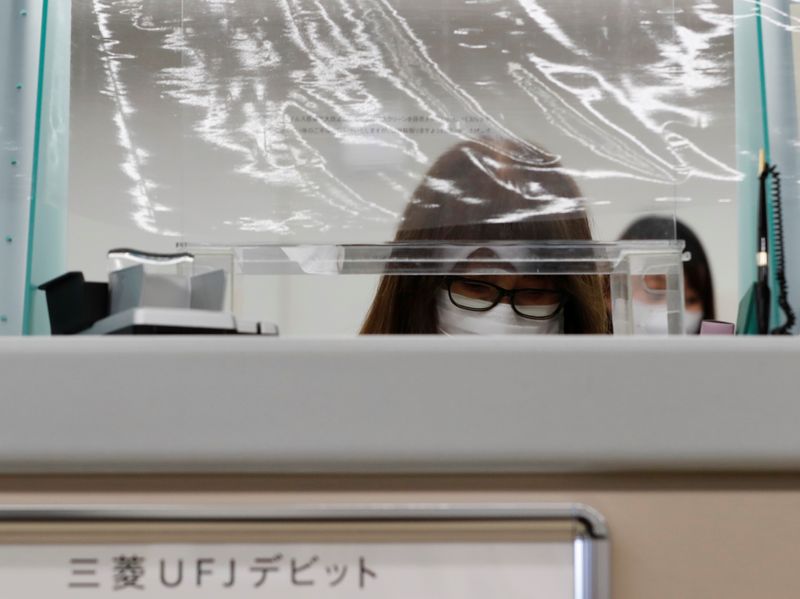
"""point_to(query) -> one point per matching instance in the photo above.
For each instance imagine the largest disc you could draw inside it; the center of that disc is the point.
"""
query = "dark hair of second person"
(488, 191)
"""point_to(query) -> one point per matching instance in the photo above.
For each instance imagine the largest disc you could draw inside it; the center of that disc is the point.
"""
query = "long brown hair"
(484, 191)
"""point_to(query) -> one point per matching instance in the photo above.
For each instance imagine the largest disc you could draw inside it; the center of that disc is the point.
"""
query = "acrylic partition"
(49, 221)
(767, 84)
(249, 127)
(20, 39)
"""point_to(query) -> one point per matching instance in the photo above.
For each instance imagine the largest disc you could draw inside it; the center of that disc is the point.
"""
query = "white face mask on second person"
(651, 319)
(500, 320)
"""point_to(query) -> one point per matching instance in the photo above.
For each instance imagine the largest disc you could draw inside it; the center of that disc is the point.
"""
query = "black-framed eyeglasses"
(482, 296)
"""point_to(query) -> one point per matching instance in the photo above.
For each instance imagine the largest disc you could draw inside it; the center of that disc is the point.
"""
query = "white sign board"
(327, 571)
(442, 551)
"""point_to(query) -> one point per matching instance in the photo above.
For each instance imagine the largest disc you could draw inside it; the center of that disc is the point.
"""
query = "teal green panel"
(749, 133)
(47, 245)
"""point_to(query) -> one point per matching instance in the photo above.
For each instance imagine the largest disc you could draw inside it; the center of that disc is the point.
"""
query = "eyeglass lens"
(471, 294)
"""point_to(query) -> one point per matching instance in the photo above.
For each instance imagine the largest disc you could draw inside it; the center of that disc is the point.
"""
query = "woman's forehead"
(492, 265)
(485, 267)
(510, 279)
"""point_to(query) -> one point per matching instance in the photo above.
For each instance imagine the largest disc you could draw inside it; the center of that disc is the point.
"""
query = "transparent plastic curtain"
(299, 122)
(253, 122)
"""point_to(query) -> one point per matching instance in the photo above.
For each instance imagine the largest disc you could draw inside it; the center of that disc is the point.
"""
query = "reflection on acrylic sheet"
(253, 120)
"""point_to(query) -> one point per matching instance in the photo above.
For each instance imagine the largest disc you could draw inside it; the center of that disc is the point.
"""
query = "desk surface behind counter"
(411, 404)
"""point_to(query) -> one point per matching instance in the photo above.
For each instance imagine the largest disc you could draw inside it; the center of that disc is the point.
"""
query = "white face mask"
(651, 319)
(500, 320)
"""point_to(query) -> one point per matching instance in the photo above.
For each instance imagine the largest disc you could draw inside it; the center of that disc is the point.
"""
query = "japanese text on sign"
(424, 570)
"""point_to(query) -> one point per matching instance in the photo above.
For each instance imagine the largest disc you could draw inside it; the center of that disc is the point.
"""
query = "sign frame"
(35, 524)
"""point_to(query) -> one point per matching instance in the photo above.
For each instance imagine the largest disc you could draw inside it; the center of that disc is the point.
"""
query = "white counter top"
(400, 404)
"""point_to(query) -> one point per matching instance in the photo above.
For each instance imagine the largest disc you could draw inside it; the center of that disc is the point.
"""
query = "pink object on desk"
(716, 327)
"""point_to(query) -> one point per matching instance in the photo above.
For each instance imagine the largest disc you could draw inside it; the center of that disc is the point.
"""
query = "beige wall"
(698, 535)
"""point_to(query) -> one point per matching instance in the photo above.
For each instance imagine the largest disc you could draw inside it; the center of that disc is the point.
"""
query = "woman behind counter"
(491, 191)
(698, 288)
